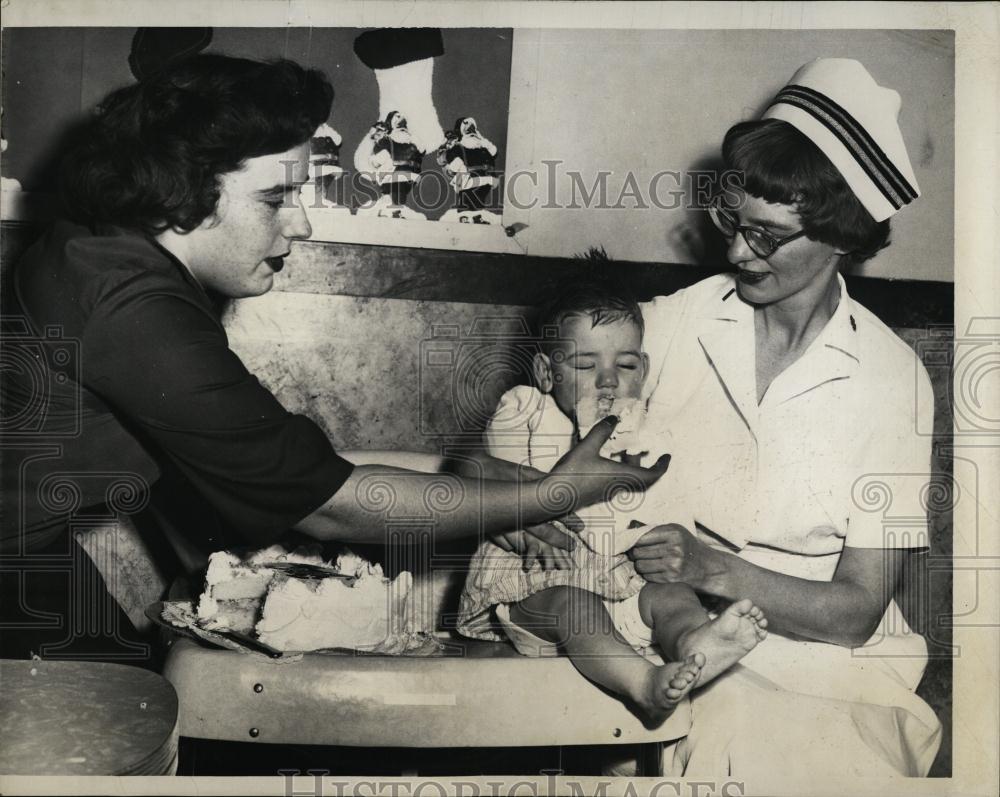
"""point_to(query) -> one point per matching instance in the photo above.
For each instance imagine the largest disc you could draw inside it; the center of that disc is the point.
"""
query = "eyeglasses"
(762, 243)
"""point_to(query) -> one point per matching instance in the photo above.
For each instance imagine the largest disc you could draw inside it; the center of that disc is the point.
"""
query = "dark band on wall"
(439, 275)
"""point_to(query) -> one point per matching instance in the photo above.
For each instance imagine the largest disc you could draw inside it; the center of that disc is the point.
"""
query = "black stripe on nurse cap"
(855, 138)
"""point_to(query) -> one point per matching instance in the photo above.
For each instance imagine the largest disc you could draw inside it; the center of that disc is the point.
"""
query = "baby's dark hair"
(601, 301)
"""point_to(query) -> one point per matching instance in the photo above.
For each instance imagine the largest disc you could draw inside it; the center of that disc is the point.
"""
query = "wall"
(643, 101)
(613, 100)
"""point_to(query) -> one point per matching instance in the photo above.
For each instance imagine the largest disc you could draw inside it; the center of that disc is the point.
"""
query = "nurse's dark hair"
(151, 156)
(779, 164)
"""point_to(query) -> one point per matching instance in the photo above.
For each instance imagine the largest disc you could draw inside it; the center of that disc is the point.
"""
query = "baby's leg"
(578, 622)
(682, 627)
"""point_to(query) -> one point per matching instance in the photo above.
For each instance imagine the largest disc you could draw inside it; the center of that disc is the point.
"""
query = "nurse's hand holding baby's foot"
(666, 686)
(724, 640)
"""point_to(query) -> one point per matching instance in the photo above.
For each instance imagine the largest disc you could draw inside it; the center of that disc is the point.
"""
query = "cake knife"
(248, 641)
(307, 571)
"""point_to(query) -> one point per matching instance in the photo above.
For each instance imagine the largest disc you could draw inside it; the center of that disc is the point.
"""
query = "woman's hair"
(781, 165)
(151, 157)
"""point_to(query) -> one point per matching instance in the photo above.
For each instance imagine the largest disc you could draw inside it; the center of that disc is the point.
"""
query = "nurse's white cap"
(854, 121)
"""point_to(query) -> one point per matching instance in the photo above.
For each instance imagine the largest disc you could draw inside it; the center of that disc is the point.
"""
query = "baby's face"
(601, 363)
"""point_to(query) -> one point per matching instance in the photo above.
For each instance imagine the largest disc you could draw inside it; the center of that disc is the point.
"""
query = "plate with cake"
(282, 604)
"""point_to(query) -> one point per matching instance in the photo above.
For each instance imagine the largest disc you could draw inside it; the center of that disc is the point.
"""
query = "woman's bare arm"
(845, 611)
(470, 463)
(455, 506)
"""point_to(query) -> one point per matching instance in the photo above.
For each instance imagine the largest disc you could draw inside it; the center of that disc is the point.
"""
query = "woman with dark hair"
(184, 187)
(152, 156)
(790, 404)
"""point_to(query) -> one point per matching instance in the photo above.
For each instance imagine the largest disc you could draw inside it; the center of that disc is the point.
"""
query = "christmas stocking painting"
(391, 154)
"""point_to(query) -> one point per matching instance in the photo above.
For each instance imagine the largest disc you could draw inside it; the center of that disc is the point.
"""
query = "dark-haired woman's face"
(798, 273)
(259, 214)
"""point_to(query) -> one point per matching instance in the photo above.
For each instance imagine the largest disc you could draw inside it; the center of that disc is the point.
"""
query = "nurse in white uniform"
(798, 418)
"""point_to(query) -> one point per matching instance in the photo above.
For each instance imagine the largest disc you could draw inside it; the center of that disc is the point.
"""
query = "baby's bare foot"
(726, 639)
(666, 686)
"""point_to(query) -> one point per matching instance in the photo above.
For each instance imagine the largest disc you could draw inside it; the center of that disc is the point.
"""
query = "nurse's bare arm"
(845, 611)
(464, 507)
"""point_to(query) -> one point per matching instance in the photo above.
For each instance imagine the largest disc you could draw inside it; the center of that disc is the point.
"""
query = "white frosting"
(208, 607)
(354, 565)
(275, 553)
(307, 615)
(631, 414)
(307, 556)
(222, 566)
(299, 614)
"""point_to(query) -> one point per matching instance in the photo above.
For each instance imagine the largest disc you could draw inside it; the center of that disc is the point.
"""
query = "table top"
(85, 718)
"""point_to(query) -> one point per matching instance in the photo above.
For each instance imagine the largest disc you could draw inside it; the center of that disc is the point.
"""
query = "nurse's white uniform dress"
(787, 484)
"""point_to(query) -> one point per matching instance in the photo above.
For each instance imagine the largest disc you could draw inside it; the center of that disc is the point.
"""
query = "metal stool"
(85, 718)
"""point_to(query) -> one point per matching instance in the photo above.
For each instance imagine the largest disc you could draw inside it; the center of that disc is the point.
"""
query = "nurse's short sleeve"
(892, 487)
(164, 365)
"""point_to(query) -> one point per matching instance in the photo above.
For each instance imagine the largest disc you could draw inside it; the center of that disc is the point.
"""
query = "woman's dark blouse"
(124, 373)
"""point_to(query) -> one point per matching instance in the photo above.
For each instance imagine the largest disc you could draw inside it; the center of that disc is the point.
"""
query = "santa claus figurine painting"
(469, 158)
(389, 157)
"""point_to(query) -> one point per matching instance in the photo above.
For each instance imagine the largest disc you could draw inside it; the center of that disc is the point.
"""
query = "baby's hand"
(547, 543)
(539, 548)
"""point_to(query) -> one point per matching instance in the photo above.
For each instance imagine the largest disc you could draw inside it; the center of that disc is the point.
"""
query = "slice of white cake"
(233, 589)
(366, 613)
(631, 413)
(235, 585)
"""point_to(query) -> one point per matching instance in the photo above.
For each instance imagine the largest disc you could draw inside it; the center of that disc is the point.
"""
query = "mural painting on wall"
(390, 157)
(469, 158)
(393, 86)
(324, 162)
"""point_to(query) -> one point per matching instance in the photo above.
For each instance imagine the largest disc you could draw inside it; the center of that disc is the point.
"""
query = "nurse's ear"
(541, 369)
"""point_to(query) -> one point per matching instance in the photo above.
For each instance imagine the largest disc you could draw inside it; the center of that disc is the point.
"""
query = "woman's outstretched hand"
(590, 478)
(671, 553)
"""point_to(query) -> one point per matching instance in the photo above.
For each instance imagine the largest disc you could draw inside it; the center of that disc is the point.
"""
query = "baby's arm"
(509, 435)
(508, 432)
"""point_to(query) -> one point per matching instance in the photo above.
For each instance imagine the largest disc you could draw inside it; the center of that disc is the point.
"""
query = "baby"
(590, 603)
